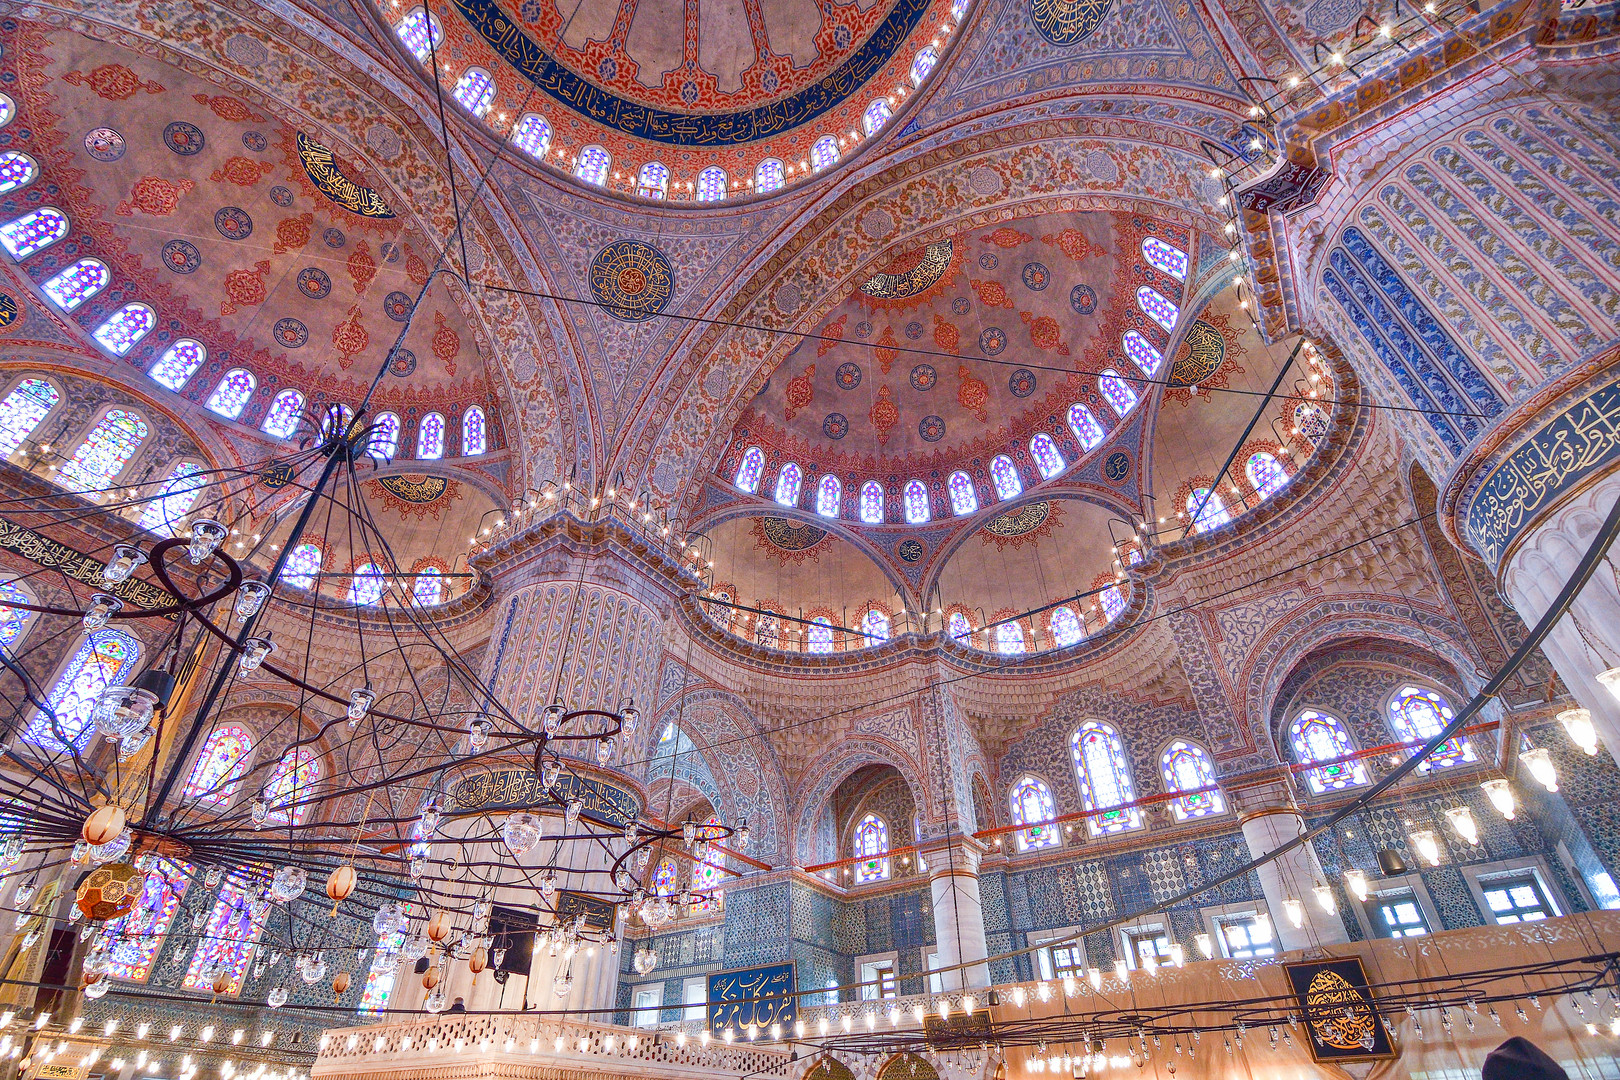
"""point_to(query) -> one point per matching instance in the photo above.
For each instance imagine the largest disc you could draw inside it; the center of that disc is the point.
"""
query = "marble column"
(1269, 822)
(953, 882)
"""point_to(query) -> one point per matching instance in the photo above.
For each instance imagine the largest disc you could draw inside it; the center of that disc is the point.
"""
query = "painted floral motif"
(446, 343)
(946, 336)
(884, 414)
(153, 196)
(992, 293)
(350, 337)
(362, 267)
(245, 288)
(887, 349)
(115, 82)
(292, 234)
(1006, 237)
(241, 171)
(1073, 243)
(228, 108)
(800, 391)
(972, 393)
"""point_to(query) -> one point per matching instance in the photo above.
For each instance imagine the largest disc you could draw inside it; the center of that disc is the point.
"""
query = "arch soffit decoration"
(836, 766)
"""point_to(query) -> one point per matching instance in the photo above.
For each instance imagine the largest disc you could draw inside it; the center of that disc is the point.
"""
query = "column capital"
(952, 856)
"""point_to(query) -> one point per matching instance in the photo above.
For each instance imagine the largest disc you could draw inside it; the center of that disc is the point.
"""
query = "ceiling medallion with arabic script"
(790, 535)
(633, 280)
(415, 494)
(1199, 356)
(1025, 519)
(1067, 22)
(322, 169)
(898, 285)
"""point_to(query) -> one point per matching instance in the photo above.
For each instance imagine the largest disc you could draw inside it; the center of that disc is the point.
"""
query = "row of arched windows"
(368, 582)
(1415, 715)
(1207, 511)
(224, 759)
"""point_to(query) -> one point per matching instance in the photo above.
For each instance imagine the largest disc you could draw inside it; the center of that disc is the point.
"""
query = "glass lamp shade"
(1462, 819)
(122, 711)
(1611, 681)
(1324, 898)
(1578, 723)
(1427, 846)
(102, 608)
(250, 598)
(126, 560)
(1539, 762)
(288, 883)
(1501, 796)
(112, 850)
(1295, 910)
(1206, 946)
(1356, 882)
(521, 831)
(206, 536)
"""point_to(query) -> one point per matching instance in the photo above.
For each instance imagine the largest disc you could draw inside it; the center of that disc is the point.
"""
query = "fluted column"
(953, 882)
(1269, 821)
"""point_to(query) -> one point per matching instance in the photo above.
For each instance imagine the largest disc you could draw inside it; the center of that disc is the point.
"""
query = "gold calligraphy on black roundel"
(791, 535)
(1067, 22)
(935, 260)
(633, 279)
(1200, 355)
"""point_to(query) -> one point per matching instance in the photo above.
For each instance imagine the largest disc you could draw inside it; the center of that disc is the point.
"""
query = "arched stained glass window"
(707, 874)
(768, 630)
(593, 164)
(335, 417)
(220, 765)
(137, 937)
(824, 154)
(1157, 307)
(1142, 352)
(748, 473)
(821, 635)
(104, 658)
(1116, 391)
(174, 499)
(916, 500)
(872, 502)
(1032, 805)
(964, 499)
(1416, 715)
(828, 494)
(872, 848)
(1105, 778)
(1067, 629)
(104, 452)
(430, 438)
(74, 285)
(877, 114)
(959, 628)
(652, 182)
(125, 327)
(34, 230)
(382, 974)
(1113, 602)
(1213, 515)
(1319, 736)
(1172, 260)
(428, 588)
(366, 588)
(1186, 766)
(1266, 473)
(281, 420)
(875, 625)
(665, 879)
(1085, 427)
(769, 176)
(1045, 453)
(226, 943)
(23, 409)
(1010, 639)
(384, 441)
(787, 485)
(711, 184)
(178, 363)
(1004, 474)
(292, 785)
(474, 432)
(13, 620)
(923, 63)
(16, 170)
(1310, 421)
(475, 90)
(232, 394)
(413, 30)
(533, 135)
(8, 110)
(302, 567)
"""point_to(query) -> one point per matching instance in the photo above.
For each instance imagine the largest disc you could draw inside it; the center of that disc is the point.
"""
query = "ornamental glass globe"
(122, 711)
(112, 850)
(277, 997)
(314, 971)
(521, 831)
(97, 989)
(390, 919)
(435, 999)
(548, 885)
(288, 884)
(478, 733)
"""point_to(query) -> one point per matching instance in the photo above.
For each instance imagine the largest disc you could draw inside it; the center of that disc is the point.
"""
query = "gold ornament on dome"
(907, 1066)
(414, 487)
(901, 284)
(321, 166)
(1199, 356)
(791, 535)
(109, 891)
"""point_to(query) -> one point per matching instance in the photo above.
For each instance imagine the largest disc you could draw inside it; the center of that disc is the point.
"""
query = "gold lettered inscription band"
(21, 540)
(759, 996)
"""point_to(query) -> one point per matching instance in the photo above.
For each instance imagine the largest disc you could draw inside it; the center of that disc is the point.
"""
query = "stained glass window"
(430, 437)
(877, 114)
(23, 409)
(474, 432)
(105, 451)
(872, 502)
(1004, 474)
(366, 587)
(1009, 639)
(16, 170)
(13, 620)
(179, 362)
(227, 941)
(1213, 515)
(1172, 260)
(292, 784)
(959, 8)
(1266, 473)
(34, 230)
(787, 485)
(533, 135)
(964, 499)
(1032, 804)
(105, 658)
(960, 629)
(137, 937)
(384, 441)
(8, 110)
(1142, 352)
(1116, 391)
(1067, 629)
(653, 180)
(916, 500)
(768, 176)
(1319, 736)
(1417, 715)
(821, 635)
(302, 566)
(125, 327)
(707, 874)
(413, 30)
(824, 154)
(748, 473)
(428, 588)
(1085, 427)
(875, 625)
(174, 499)
(665, 879)
(711, 184)
(220, 765)
(1157, 307)
(475, 90)
(335, 417)
(379, 985)
(828, 494)
(1187, 767)
(1105, 778)
(77, 283)
(768, 630)
(923, 63)
(593, 164)
(232, 394)
(872, 848)
(1045, 453)
(1113, 602)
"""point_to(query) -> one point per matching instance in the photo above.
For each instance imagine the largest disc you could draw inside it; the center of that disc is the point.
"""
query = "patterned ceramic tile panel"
(754, 921)
(993, 902)
(1451, 898)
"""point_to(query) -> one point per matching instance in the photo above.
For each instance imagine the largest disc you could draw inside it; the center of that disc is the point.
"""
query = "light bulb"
(1539, 762)
(1356, 882)
(1501, 795)
(1462, 819)
(1578, 722)
(1295, 910)
(1427, 846)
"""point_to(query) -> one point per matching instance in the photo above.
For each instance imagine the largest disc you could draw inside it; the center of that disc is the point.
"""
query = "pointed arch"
(107, 657)
(1186, 766)
(1031, 804)
(219, 765)
(1104, 772)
